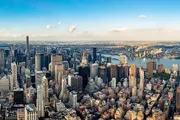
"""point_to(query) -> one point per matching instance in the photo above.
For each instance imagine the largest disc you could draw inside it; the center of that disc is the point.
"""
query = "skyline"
(90, 20)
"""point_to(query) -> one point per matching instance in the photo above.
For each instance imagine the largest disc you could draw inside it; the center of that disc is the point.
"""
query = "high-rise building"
(175, 67)
(113, 72)
(63, 87)
(18, 96)
(45, 90)
(40, 101)
(84, 72)
(30, 112)
(38, 62)
(178, 99)
(160, 68)
(84, 59)
(123, 59)
(132, 70)
(134, 91)
(151, 67)
(108, 59)
(27, 51)
(94, 70)
(73, 99)
(14, 75)
(102, 73)
(94, 55)
(2, 60)
(132, 81)
(141, 73)
(121, 72)
(59, 69)
(113, 83)
(38, 77)
(55, 59)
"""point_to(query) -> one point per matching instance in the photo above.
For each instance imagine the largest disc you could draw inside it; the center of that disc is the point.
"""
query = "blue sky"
(98, 18)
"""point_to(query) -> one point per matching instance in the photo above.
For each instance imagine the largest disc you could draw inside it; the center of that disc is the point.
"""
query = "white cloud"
(142, 16)
(73, 28)
(117, 29)
(59, 22)
(49, 26)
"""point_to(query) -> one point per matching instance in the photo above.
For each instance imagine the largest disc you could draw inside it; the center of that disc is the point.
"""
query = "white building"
(38, 62)
(30, 112)
(14, 75)
(113, 83)
(45, 90)
(55, 59)
(5, 83)
(40, 101)
(123, 59)
(59, 69)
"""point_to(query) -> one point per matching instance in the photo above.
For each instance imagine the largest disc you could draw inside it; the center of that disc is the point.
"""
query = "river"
(142, 61)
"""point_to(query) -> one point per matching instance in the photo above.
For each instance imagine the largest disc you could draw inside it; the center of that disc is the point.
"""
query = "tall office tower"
(134, 91)
(141, 73)
(123, 59)
(55, 59)
(14, 75)
(63, 87)
(121, 72)
(113, 83)
(18, 96)
(73, 99)
(113, 72)
(132, 70)
(178, 99)
(27, 51)
(94, 55)
(151, 67)
(59, 69)
(94, 70)
(108, 59)
(43, 61)
(2, 61)
(99, 58)
(160, 68)
(84, 72)
(132, 81)
(47, 60)
(102, 73)
(40, 101)
(175, 67)
(45, 90)
(38, 62)
(84, 59)
(89, 58)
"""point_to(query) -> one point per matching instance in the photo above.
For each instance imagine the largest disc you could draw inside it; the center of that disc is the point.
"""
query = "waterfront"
(142, 61)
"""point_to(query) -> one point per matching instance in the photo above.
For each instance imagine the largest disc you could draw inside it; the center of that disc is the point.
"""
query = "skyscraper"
(55, 59)
(59, 69)
(132, 81)
(37, 62)
(113, 72)
(27, 50)
(40, 101)
(141, 72)
(84, 72)
(94, 70)
(108, 59)
(160, 68)
(94, 55)
(14, 75)
(151, 67)
(2, 61)
(123, 59)
(121, 72)
(45, 90)
(103, 73)
(178, 99)
(84, 59)
(133, 70)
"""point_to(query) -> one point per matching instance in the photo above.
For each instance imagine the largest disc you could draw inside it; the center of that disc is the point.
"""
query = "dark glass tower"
(84, 72)
(94, 55)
